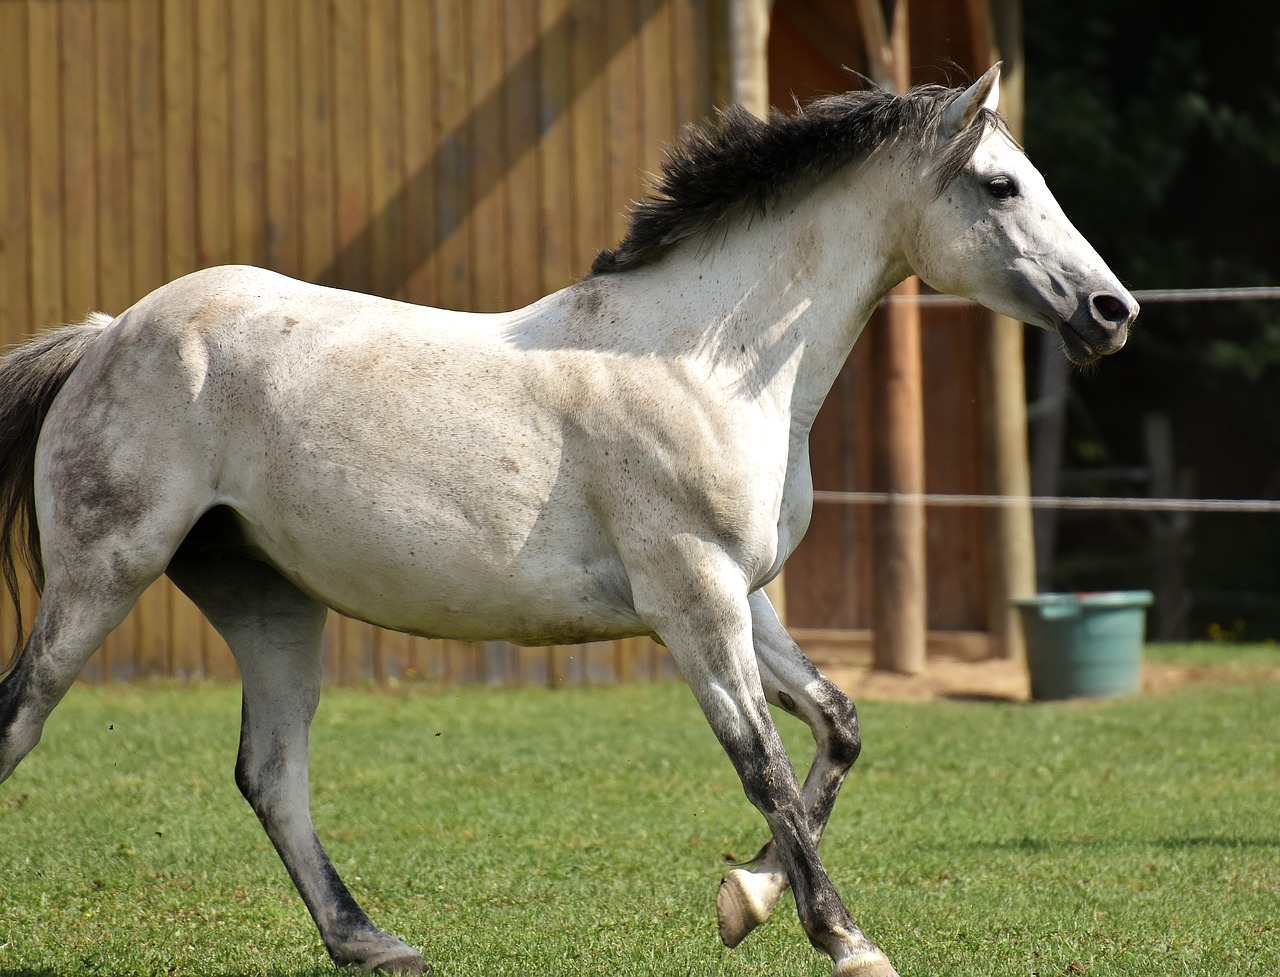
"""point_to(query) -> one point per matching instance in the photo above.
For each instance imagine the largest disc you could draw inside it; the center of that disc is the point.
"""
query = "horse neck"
(777, 303)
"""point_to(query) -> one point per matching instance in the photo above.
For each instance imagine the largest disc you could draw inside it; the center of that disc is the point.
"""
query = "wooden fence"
(467, 155)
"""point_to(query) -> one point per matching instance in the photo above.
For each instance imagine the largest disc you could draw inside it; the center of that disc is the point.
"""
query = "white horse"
(627, 456)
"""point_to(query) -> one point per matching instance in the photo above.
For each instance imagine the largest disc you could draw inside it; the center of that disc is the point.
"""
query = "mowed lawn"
(584, 832)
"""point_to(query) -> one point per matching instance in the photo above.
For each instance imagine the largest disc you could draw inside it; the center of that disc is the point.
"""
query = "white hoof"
(869, 965)
(744, 901)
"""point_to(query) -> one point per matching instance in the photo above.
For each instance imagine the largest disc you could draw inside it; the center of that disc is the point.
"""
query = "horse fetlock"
(854, 954)
(379, 953)
(872, 964)
(745, 900)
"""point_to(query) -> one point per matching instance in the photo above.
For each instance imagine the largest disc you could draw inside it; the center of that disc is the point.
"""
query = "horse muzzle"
(1098, 327)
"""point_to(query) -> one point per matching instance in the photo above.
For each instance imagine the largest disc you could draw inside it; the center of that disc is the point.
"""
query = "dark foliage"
(1160, 135)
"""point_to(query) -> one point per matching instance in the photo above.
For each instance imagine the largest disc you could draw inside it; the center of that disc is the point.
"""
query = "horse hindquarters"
(95, 569)
(31, 377)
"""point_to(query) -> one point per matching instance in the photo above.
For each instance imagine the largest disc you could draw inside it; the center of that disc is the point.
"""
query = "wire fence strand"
(943, 500)
(1268, 293)
(1149, 295)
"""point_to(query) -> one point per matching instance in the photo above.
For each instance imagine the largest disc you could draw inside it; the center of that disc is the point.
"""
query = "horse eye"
(1002, 187)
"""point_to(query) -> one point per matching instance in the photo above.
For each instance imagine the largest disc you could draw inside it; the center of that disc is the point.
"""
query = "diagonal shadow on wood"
(461, 172)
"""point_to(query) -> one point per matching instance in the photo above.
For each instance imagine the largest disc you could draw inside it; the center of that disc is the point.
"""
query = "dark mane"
(745, 161)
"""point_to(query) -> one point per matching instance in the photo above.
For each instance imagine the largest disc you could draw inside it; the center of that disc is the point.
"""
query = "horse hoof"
(873, 965)
(385, 956)
(404, 963)
(738, 909)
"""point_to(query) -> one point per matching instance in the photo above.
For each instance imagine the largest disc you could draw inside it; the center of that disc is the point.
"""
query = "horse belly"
(513, 560)
(462, 595)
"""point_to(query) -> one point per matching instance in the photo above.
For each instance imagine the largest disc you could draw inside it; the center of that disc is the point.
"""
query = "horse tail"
(30, 377)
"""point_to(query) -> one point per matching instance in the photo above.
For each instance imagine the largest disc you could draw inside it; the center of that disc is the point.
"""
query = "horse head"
(991, 231)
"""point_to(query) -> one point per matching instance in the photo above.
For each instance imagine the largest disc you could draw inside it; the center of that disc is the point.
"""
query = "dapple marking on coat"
(627, 456)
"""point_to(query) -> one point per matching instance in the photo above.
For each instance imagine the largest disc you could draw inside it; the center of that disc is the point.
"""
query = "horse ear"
(982, 94)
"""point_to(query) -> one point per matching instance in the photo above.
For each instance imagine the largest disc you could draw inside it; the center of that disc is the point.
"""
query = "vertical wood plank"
(490, 241)
(113, 119)
(353, 665)
(80, 156)
(692, 71)
(247, 129)
(350, 139)
(15, 204)
(622, 118)
(431, 660)
(658, 125)
(46, 205)
(282, 161)
(146, 148)
(213, 127)
(330, 650)
(316, 137)
(520, 40)
(453, 180)
(589, 144)
(417, 70)
(179, 135)
(556, 213)
(385, 215)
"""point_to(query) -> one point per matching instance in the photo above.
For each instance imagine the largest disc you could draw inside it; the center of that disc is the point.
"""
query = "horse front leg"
(748, 894)
(708, 629)
(274, 631)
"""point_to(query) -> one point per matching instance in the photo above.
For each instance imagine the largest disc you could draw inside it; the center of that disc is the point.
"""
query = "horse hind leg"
(749, 893)
(89, 589)
(273, 629)
(73, 620)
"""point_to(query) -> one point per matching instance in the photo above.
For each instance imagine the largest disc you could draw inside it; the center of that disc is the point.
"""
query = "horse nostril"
(1112, 309)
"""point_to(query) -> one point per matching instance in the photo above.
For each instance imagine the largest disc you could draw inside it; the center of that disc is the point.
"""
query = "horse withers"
(627, 456)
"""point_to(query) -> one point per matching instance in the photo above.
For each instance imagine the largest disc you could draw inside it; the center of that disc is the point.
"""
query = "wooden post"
(1011, 560)
(899, 606)
(748, 47)
(1010, 534)
(900, 611)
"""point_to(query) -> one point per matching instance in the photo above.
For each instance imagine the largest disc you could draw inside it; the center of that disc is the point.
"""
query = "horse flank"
(31, 376)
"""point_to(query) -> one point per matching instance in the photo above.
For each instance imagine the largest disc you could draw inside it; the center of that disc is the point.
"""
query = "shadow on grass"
(1028, 844)
(329, 971)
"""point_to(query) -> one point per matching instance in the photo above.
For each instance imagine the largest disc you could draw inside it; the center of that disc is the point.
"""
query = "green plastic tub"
(1085, 645)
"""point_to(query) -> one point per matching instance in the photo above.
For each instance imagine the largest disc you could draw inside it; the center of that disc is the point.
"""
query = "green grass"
(584, 831)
